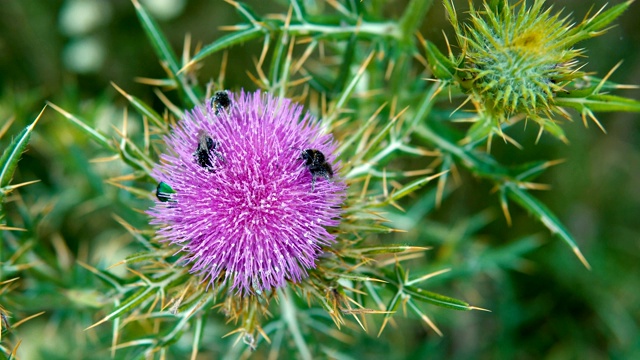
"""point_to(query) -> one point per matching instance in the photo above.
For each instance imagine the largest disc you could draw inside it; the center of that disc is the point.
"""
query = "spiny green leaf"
(587, 99)
(441, 66)
(480, 130)
(114, 281)
(94, 134)
(191, 95)
(227, 41)
(592, 26)
(11, 155)
(554, 129)
(391, 307)
(436, 299)
(141, 256)
(544, 215)
(531, 170)
(411, 187)
(246, 12)
(413, 16)
(348, 91)
(423, 316)
(143, 109)
(278, 69)
(350, 276)
(367, 228)
(481, 164)
(377, 250)
(129, 303)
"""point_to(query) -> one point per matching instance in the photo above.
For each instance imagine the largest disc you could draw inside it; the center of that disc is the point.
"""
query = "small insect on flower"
(206, 146)
(164, 191)
(255, 226)
(317, 165)
(220, 101)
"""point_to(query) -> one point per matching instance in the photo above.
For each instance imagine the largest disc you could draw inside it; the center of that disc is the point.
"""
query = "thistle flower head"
(518, 58)
(248, 208)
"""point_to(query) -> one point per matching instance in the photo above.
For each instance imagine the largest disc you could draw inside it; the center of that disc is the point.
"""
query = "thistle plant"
(294, 214)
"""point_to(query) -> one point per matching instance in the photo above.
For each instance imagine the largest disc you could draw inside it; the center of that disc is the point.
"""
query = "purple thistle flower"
(248, 210)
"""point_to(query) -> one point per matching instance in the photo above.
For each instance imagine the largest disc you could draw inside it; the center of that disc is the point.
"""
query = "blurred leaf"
(413, 16)
(532, 170)
(94, 134)
(554, 129)
(245, 11)
(192, 95)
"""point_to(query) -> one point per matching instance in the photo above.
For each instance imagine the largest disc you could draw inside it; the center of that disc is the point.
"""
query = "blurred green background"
(549, 305)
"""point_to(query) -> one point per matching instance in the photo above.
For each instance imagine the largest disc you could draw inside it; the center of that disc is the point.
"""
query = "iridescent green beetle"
(164, 191)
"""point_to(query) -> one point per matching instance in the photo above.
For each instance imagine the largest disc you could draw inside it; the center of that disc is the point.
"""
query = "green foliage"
(81, 266)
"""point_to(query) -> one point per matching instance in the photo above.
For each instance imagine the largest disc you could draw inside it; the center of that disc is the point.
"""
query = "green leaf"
(413, 16)
(226, 41)
(143, 109)
(480, 129)
(247, 12)
(350, 276)
(554, 129)
(364, 228)
(278, 70)
(545, 216)
(481, 164)
(107, 277)
(391, 308)
(349, 89)
(387, 249)
(441, 66)
(128, 304)
(592, 26)
(436, 299)
(377, 139)
(11, 155)
(191, 95)
(589, 99)
(141, 256)
(94, 134)
(411, 187)
(532, 170)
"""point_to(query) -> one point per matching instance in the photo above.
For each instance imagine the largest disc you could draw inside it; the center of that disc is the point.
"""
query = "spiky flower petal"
(248, 211)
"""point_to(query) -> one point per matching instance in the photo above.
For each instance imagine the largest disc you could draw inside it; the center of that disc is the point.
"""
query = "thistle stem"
(413, 17)
(365, 28)
(289, 315)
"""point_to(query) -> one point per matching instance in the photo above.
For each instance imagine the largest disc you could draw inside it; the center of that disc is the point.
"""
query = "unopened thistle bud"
(517, 59)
